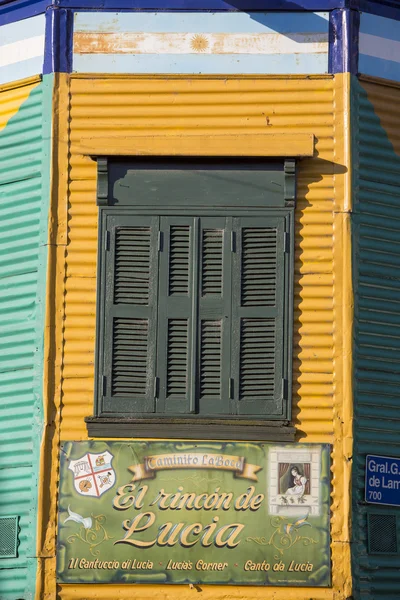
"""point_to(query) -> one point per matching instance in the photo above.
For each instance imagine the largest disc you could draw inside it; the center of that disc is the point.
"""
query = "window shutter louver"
(130, 357)
(212, 262)
(258, 309)
(179, 260)
(175, 346)
(131, 263)
(177, 358)
(214, 316)
(259, 264)
(257, 358)
(211, 359)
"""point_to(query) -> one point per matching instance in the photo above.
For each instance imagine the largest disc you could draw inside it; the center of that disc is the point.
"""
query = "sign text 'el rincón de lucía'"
(194, 512)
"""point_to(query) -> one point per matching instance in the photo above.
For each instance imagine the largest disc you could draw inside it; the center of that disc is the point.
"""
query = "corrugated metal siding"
(115, 107)
(22, 264)
(376, 235)
(134, 106)
(111, 108)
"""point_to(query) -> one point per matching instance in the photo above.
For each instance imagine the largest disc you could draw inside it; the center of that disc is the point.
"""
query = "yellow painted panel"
(107, 108)
(173, 592)
(12, 96)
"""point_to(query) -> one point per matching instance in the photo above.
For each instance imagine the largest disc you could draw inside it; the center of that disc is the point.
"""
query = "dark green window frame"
(192, 335)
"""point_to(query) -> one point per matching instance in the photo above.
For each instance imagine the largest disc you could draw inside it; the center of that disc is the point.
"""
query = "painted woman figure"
(298, 483)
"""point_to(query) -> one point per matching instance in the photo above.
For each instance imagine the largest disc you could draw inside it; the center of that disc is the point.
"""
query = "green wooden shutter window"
(258, 315)
(130, 314)
(195, 310)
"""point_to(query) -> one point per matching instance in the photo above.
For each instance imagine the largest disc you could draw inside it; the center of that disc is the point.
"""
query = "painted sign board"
(194, 512)
(382, 480)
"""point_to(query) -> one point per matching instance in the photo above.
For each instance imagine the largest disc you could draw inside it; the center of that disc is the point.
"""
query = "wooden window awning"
(268, 144)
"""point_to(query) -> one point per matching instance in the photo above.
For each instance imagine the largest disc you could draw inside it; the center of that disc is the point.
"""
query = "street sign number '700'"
(382, 480)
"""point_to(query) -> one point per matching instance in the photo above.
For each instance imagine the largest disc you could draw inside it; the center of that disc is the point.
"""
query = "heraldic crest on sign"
(93, 474)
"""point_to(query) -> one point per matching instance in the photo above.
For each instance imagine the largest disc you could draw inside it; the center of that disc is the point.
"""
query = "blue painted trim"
(58, 41)
(18, 10)
(354, 42)
(343, 41)
(217, 5)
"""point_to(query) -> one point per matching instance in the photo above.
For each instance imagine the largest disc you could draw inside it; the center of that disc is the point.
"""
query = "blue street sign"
(382, 480)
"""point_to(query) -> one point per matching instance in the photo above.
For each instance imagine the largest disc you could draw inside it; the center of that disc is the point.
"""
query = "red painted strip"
(92, 473)
(94, 478)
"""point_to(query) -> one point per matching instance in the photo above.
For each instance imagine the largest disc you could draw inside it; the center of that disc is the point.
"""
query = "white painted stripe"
(378, 47)
(199, 43)
(15, 52)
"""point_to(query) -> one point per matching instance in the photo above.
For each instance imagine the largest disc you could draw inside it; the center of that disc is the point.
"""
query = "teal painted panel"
(12, 583)
(24, 202)
(17, 296)
(20, 214)
(15, 500)
(376, 277)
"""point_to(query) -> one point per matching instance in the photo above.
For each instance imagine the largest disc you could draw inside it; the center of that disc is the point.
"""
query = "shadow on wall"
(384, 112)
(312, 171)
(287, 21)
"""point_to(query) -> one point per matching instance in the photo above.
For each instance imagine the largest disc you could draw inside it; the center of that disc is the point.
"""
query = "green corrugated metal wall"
(376, 273)
(24, 200)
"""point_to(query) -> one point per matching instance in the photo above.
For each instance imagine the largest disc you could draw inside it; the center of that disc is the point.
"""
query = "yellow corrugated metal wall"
(128, 107)
(114, 107)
